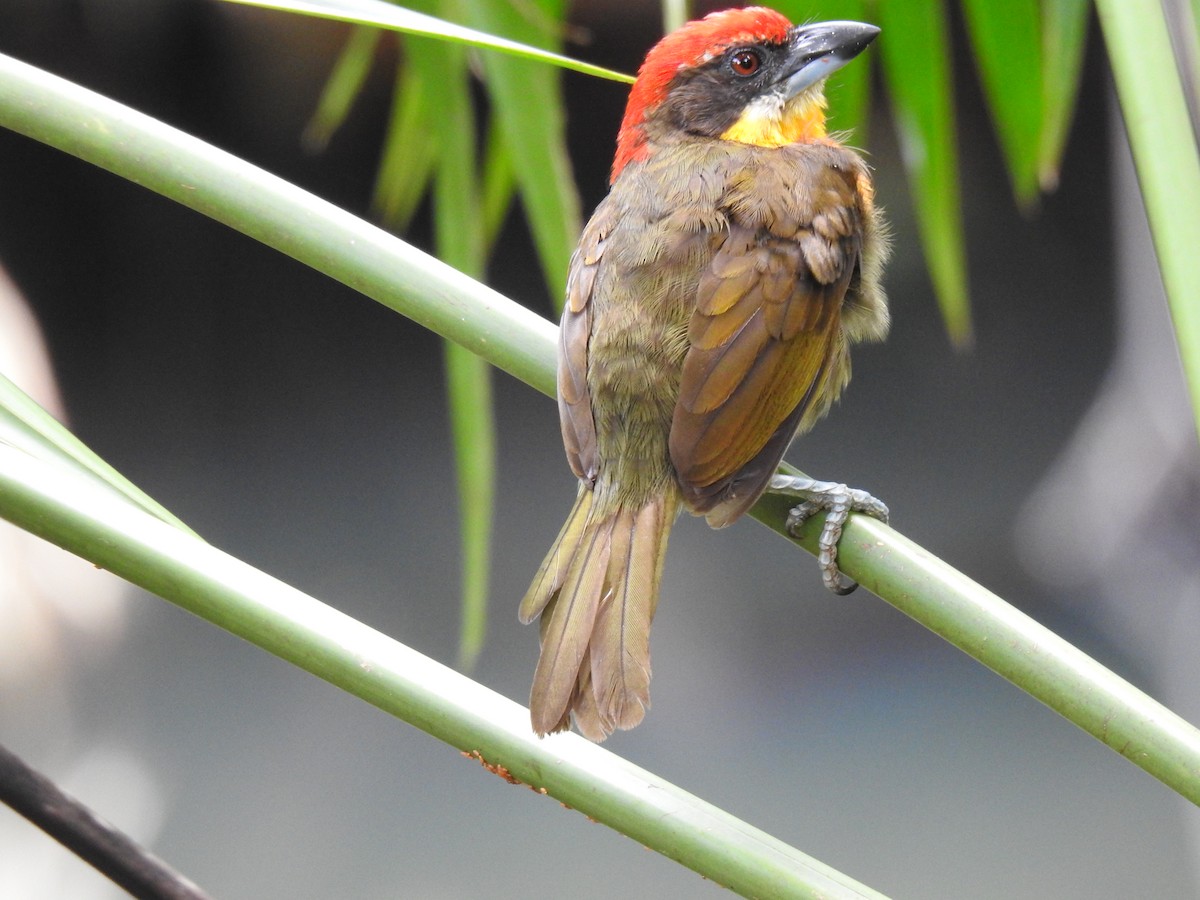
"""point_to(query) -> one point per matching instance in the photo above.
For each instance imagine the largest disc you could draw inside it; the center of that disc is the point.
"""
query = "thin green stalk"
(1166, 157)
(675, 13)
(72, 511)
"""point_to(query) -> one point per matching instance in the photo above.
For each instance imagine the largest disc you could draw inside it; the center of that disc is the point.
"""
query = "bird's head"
(743, 75)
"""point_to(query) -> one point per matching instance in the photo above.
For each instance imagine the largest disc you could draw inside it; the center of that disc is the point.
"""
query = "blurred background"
(301, 427)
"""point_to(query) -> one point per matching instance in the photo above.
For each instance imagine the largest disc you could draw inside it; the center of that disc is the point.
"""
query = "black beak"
(820, 49)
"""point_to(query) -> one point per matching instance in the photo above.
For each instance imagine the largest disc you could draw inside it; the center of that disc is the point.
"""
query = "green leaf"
(472, 421)
(395, 18)
(433, 123)
(1166, 157)
(26, 426)
(345, 81)
(1064, 33)
(458, 228)
(528, 106)
(408, 154)
(849, 88)
(458, 231)
(499, 185)
(915, 51)
(1007, 38)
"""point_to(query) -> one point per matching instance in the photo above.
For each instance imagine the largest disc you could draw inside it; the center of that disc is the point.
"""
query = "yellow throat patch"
(768, 123)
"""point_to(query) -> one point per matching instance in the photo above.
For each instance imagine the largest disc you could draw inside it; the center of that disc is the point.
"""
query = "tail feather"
(620, 645)
(568, 620)
(550, 575)
(583, 705)
(596, 592)
(567, 624)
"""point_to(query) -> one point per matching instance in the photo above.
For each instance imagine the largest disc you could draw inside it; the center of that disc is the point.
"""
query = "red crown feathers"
(688, 46)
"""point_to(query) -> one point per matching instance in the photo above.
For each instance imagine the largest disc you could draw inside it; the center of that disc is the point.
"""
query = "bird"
(710, 307)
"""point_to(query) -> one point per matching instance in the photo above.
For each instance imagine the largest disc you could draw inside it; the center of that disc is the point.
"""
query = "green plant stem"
(675, 14)
(73, 512)
(281, 215)
(1166, 157)
(1011, 644)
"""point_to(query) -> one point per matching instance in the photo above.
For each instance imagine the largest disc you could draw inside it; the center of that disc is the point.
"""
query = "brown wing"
(766, 356)
(574, 400)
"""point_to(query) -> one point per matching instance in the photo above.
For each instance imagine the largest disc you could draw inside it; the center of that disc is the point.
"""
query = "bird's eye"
(745, 62)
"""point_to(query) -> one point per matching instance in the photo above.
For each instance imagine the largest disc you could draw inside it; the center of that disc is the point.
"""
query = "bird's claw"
(838, 501)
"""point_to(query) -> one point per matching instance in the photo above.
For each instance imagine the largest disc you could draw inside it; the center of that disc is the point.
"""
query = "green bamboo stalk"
(69, 509)
(1166, 157)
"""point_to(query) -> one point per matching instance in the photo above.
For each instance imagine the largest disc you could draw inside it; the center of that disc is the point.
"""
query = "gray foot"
(839, 501)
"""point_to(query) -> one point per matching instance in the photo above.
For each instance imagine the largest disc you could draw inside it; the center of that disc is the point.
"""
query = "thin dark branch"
(89, 837)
